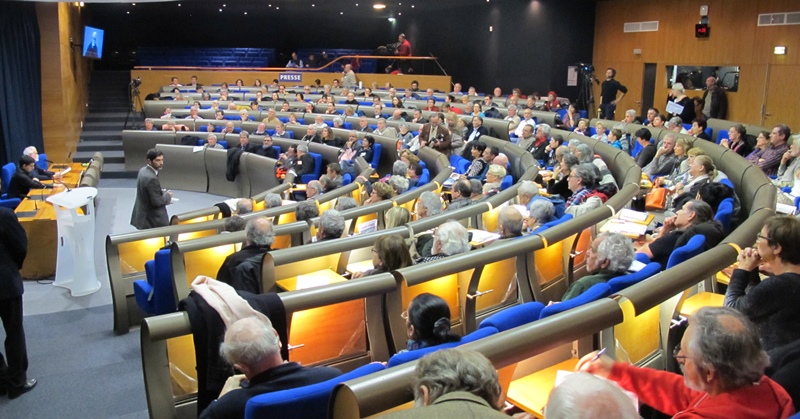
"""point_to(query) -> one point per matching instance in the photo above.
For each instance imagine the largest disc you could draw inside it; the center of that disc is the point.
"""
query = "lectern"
(75, 261)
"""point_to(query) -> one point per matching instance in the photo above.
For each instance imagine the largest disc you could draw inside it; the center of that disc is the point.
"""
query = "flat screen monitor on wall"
(92, 43)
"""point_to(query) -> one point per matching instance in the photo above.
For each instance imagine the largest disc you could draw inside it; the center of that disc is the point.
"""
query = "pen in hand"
(599, 354)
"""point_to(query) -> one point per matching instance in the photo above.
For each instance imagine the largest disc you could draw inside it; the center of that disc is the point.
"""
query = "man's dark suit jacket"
(313, 139)
(41, 174)
(13, 249)
(22, 183)
(283, 377)
(442, 146)
(267, 152)
(303, 165)
(150, 208)
(227, 272)
(250, 147)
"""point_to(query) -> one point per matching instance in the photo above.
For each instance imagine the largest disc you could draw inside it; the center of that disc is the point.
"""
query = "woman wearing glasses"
(770, 303)
(428, 322)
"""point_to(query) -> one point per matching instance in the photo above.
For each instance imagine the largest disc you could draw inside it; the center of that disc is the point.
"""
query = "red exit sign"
(701, 30)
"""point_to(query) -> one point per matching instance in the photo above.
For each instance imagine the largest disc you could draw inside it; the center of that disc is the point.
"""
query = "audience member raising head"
(428, 322)
(610, 255)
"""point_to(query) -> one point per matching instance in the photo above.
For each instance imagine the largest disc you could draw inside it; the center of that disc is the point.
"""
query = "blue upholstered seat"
(514, 316)
(596, 292)
(303, 402)
(409, 356)
(564, 218)
(725, 214)
(42, 162)
(691, 249)
(376, 156)
(155, 295)
(315, 174)
(621, 282)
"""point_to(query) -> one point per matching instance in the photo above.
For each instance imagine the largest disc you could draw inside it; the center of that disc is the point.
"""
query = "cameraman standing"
(403, 50)
(608, 95)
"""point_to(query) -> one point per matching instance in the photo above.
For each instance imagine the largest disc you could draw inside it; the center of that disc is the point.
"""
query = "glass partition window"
(694, 77)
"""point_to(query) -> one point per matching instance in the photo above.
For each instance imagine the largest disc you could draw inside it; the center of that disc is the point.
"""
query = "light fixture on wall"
(779, 50)
(378, 6)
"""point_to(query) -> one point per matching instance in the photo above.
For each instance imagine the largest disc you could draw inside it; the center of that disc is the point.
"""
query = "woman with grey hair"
(405, 135)
(450, 238)
(610, 255)
(399, 184)
(428, 205)
(494, 176)
(584, 155)
(558, 185)
(541, 211)
(678, 96)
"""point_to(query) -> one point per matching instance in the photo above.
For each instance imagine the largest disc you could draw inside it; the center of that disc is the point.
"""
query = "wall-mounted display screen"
(92, 43)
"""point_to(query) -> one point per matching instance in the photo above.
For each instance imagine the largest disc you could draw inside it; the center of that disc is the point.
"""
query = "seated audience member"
(600, 129)
(252, 346)
(242, 206)
(526, 141)
(762, 142)
(413, 173)
(584, 155)
(712, 193)
(540, 212)
(501, 160)
(494, 176)
(233, 223)
(737, 140)
(460, 195)
(582, 128)
(303, 163)
(609, 256)
(331, 225)
(311, 135)
(332, 179)
(723, 372)
(428, 322)
(582, 395)
(148, 125)
(580, 181)
(770, 159)
(306, 210)
(476, 187)
(665, 160)
(450, 238)
(789, 165)
(648, 151)
(345, 203)
(389, 253)
(454, 383)
(551, 151)
(675, 124)
(23, 181)
(695, 217)
(701, 171)
(211, 142)
(770, 303)
(398, 183)
(527, 191)
(509, 222)
(38, 173)
(559, 184)
(617, 139)
(244, 142)
(272, 200)
(477, 169)
(380, 192)
(258, 239)
(396, 217)
(266, 148)
(428, 205)
(539, 149)
(699, 126)
(313, 189)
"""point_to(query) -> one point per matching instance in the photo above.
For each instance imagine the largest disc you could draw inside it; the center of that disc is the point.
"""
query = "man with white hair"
(583, 395)
(259, 236)
(303, 163)
(527, 119)
(331, 225)
(349, 76)
(313, 189)
(311, 135)
(665, 159)
(509, 222)
(252, 346)
(383, 129)
(723, 365)
(450, 238)
(38, 173)
(211, 142)
(610, 255)
(454, 383)
(512, 118)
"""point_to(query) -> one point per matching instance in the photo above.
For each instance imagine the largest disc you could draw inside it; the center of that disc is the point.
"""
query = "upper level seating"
(366, 66)
(205, 57)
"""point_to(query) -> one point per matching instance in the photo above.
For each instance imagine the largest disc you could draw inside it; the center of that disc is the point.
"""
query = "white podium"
(75, 262)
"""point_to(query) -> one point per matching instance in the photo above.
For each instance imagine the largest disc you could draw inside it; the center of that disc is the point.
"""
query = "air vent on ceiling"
(778, 19)
(641, 26)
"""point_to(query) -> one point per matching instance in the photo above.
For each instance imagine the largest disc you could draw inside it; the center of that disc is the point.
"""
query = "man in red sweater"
(723, 372)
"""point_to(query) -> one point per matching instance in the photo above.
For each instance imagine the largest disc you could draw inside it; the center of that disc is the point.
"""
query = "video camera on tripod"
(388, 49)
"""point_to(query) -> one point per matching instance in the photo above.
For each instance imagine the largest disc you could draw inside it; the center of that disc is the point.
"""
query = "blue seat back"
(314, 175)
(42, 162)
(564, 218)
(691, 249)
(10, 203)
(303, 402)
(725, 214)
(727, 182)
(514, 316)
(596, 292)
(621, 282)
(347, 178)
(376, 156)
(506, 182)
(424, 178)
(722, 134)
(409, 356)
(636, 148)
(143, 288)
(641, 257)
(6, 175)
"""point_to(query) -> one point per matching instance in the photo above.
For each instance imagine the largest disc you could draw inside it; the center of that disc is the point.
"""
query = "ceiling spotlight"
(245, 12)
(220, 10)
(127, 12)
(179, 5)
(399, 14)
(341, 13)
(379, 6)
(133, 4)
(391, 19)
(81, 4)
(224, 5)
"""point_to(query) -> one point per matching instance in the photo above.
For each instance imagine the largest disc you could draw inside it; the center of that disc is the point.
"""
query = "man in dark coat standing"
(150, 208)
(13, 249)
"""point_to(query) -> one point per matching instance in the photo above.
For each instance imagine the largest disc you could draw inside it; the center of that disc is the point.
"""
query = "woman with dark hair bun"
(428, 322)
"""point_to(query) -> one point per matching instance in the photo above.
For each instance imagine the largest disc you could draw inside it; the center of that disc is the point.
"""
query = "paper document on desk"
(673, 107)
(197, 149)
(65, 171)
(785, 209)
(631, 215)
(480, 236)
(624, 228)
(367, 226)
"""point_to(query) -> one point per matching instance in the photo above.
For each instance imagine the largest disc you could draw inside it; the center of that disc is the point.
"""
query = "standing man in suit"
(150, 208)
(436, 135)
(473, 134)
(13, 249)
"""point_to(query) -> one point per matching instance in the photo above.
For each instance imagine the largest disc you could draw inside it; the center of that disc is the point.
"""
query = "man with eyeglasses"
(723, 367)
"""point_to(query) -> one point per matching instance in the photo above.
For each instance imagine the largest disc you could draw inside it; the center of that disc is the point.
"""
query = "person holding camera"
(435, 135)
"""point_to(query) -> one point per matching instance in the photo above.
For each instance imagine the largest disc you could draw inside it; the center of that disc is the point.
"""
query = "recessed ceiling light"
(341, 13)
(134, 4)
(220, 10)
(224, 5)
(391, 19)
(179, 5)
(128, 12)
(379, 6)
(399, 14)
(412, 6)
(245, 12)
(313, 5)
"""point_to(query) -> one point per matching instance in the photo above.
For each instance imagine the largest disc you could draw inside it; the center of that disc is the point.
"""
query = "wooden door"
(782, 94)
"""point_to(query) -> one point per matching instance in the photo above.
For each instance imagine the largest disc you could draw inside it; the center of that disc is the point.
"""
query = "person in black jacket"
(259, 237)
(22, 182)
(38, 173)
(303, 163)
(266, 149)
(13, 249)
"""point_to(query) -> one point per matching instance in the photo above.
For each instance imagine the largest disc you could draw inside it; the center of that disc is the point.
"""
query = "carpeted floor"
(83, 369)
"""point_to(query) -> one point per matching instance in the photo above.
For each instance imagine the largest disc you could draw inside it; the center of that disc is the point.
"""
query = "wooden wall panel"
(64, 78)
(735, 40)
